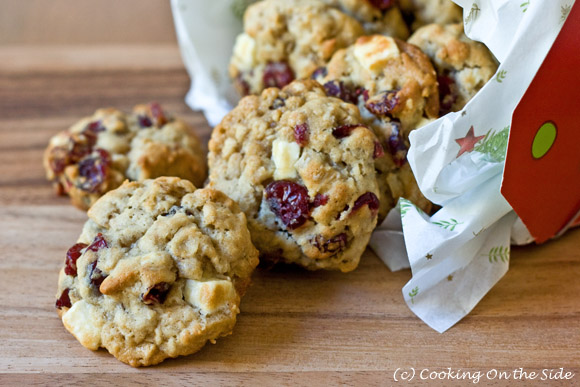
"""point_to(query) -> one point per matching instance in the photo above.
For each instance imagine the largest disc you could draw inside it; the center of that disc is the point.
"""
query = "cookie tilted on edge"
(376, 16)
(99, 152)
(301, 166)
(158, 270)
(422, 12)
(286, 40)
(394, 85)
(463, 66)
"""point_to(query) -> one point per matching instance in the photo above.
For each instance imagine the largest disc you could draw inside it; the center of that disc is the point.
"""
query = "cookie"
(286, 40)
(376, 16)
(463, 65)
(99, 152)
(395, 86)
(301, 166)
(421, 12)
(157, 271)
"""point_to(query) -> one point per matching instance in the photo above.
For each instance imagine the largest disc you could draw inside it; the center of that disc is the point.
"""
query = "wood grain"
(296, 327)
(85, 22)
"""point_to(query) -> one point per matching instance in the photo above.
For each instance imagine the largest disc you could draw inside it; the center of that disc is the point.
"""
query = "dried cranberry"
(98, 243)
(379, 151)
(59, 159)
(369, 199)
(277, 74)
(382, 4)
(365, 94)
(96, 276)
(80, 149)
(447, 94)
(383, 104)
(156, 293)
(396, 145)
(81, 145)
(158, 114)
(289, 201)
(64, 300)
(95, 127)
(94, 170)
(343, 131)
(340, 90)
(320, 72)
(319, 200)
(144, 121)
(70, 264)
(332, 245)
(301, 134)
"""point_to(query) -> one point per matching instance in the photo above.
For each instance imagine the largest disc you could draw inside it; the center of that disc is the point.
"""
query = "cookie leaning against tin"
(99, 152)
(286, 40)
(158, 271)
(395, 86)
(421, 12)
(301, 166)
(463, 65)
(376, 16)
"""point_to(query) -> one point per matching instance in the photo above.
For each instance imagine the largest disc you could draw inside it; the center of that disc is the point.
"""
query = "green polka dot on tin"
(544, 139)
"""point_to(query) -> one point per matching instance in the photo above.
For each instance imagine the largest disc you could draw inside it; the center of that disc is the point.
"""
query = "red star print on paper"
(468, 142)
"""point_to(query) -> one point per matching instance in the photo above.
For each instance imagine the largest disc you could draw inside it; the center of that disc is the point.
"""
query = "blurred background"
(85, 22)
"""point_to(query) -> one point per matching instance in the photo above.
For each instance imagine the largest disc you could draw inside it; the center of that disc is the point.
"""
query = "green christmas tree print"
(565, 10)
(473, 13)
(494, 144)
(500, 76)
(413, 293)
(524, 6)
(448, 224)
(405, 205)
(498, 253)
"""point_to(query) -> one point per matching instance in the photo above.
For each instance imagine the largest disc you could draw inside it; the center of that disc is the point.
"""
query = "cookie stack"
(301, 171)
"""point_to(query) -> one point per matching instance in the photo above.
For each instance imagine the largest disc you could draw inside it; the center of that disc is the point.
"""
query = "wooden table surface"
(296, 327)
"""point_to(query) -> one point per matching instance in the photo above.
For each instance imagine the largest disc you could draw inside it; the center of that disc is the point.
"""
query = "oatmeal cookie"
(395, 86)
(301, 165)
(421, 12)
(99, 152)
(463, 65)
(376, 16)
(286, 40)
(158, 271)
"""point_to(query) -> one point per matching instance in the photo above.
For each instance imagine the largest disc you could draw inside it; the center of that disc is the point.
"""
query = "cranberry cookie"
(286, 40)
(376, 16)
(99, 152)
(301, 165)
(463, 65)
(158, 271)
(422, 12)
(395, 86)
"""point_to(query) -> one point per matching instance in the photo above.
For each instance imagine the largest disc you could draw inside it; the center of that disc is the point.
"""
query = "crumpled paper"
(206, 33)
(457, 255)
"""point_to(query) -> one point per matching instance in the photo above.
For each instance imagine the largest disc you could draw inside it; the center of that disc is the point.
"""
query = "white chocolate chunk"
(285, 154)
(85, 324)
(209, 296)
(244, 52)
(375, 51)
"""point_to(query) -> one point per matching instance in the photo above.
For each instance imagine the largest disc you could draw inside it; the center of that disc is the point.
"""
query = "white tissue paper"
(457, 255)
